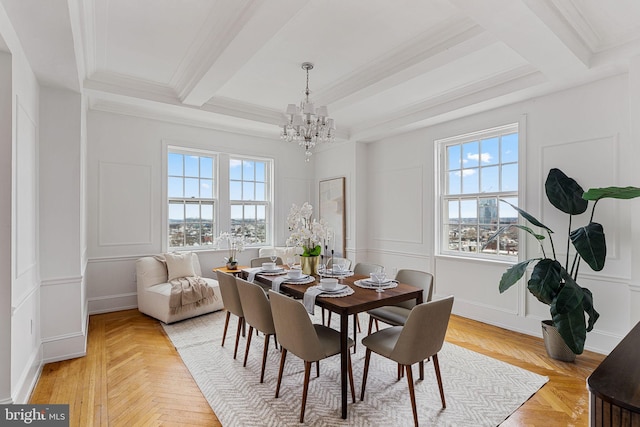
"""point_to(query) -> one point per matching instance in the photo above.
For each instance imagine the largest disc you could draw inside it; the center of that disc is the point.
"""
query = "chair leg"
(412, 394)
(240, 323)
(323, 316)
(400, 371)
(421, 370)
(377, 326)
(350, 371)
(367, 357)
(246, 351)
(355, 334)
(328, 319)
(264, 356)
(226, 325)
(282, 358)
(305, 388)
(436, 366)
(317, 369)
(358, 323)
(370, 325)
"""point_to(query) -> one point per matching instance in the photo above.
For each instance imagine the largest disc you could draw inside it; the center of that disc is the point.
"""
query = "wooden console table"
(615, 385)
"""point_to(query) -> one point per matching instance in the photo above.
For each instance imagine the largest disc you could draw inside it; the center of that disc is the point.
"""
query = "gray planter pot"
(555, 345)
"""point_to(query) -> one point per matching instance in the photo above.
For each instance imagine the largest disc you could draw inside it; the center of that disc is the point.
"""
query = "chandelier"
(307, 124)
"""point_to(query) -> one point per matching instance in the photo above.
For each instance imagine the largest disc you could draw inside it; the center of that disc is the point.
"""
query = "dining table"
(361, 300)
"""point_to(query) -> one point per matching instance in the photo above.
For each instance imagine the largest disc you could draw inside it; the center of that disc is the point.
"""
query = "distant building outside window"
(250, 198)
(191, 196)
(477, 171)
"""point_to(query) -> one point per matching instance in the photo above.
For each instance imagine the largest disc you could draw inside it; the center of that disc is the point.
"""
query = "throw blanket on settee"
(187, 293)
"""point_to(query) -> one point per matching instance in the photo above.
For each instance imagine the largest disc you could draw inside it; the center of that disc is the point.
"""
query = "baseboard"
(110, 303)
(64, 347)
(29, 379)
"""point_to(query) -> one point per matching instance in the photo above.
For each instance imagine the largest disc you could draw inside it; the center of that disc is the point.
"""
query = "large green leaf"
(545, 280)
(565, 193)
(569, 297)
(611, 192)
(528, 217)
(501, 230)
(587, 305)
(590, 243)
(513, 274)
(571, 327)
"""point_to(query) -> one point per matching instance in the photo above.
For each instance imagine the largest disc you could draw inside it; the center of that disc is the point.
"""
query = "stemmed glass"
(290, 262)
(339, 265)
(273, 257)
(380, 277)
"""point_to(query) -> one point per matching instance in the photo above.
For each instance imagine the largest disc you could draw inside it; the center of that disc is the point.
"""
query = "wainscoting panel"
(124, 204)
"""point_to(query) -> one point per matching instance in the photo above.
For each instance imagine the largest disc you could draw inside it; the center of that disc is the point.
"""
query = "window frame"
(221, 193)
(442, 179)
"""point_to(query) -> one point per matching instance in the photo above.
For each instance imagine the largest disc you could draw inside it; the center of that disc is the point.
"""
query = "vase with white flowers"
(307, 233)
(234, 244)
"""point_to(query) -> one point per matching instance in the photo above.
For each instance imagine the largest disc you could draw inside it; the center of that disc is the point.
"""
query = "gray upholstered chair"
(396, 315)
(413, 343)
(310, 342)
(257, 262)
(366, 268)
(231, 301)
(257, 313)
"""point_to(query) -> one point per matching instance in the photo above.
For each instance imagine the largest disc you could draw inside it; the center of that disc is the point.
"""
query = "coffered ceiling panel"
(382, 67)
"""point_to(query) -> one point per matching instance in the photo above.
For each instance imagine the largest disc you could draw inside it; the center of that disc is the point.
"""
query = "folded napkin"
(275, 284)
(252, 273)
(309, 298)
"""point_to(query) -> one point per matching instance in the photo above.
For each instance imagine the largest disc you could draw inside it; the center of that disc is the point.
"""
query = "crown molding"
(437, 109)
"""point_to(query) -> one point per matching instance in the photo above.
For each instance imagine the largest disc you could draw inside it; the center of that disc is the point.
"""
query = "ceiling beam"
(519, 27)
(254, 27)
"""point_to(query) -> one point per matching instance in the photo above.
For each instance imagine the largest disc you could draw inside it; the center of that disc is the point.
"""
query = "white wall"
(583, 131)
(20, 281)
(63, 307)
(124, 168)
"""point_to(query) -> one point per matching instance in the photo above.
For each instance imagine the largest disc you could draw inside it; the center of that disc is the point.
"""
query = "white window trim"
(439, 181)
(222, 217)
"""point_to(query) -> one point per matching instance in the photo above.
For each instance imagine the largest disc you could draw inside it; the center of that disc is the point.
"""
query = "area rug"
(479, 390)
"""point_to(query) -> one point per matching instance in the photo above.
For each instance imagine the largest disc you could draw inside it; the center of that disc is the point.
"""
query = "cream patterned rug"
(479, 390)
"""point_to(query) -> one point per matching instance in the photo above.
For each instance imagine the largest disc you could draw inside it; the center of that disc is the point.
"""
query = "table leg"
(344, 333)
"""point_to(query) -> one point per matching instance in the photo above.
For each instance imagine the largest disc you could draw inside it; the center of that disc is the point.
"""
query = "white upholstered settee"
(154, 291)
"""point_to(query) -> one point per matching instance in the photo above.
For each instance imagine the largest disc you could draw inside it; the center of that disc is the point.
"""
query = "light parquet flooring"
(133, 376)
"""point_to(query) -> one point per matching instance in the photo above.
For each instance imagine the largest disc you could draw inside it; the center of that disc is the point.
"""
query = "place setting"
(378, 281)
(328, 287)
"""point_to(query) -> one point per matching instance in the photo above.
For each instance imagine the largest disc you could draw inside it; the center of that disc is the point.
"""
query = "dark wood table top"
(361, 300)
(617, 379)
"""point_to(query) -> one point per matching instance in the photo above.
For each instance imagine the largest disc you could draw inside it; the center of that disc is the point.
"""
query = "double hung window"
(479, 170)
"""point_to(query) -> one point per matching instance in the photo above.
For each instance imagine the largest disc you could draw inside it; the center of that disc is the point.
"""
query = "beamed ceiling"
(383, 67)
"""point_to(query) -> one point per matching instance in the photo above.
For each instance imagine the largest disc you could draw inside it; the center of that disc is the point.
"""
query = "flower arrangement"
(235, 245)
(306, 232)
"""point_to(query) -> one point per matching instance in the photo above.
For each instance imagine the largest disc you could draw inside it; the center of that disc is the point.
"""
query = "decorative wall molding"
(25, 297)
(115, 302)
(73, 280)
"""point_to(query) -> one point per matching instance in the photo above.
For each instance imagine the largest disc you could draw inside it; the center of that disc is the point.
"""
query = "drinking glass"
(338, 265)
(380, 276)
(290, 262)
(273, 257)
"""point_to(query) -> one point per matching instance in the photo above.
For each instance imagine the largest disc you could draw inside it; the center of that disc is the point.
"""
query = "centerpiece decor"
(308, 234)
(235, 245)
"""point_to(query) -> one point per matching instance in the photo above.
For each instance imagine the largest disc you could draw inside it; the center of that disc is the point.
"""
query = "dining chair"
(257, 314)
(257, 262)
(310, 342)
(413, 343)
(231, 302)
(366, 268)
(396, 315)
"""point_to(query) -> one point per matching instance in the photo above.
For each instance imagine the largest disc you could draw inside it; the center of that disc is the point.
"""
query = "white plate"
(338, 288)
(299, 279)
(369, 282)
(272, 272)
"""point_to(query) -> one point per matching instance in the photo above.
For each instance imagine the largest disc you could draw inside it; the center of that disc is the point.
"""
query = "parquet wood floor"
(133, 376)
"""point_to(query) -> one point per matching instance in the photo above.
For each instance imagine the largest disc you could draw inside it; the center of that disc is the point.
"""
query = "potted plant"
(235, 245)
(307, 233)
(554, 283)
